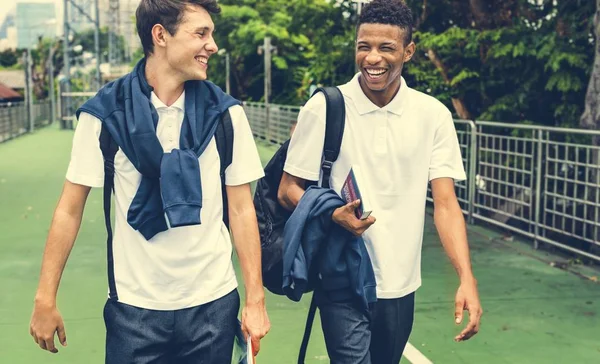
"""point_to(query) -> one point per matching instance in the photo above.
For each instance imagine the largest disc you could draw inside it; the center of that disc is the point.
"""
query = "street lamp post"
(51, 90)
(222, 52)
(266, 49)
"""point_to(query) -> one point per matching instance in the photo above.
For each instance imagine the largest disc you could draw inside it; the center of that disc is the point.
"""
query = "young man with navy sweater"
(402, 140)
(172, 288)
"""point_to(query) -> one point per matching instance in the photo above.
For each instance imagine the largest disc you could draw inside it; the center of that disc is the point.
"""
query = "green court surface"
(534, 312)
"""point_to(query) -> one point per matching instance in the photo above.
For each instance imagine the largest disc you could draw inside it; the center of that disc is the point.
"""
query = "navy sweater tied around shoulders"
(171, 182)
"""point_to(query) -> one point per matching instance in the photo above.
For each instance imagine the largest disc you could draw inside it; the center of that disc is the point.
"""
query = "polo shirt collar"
(365, 106)
(158, 104)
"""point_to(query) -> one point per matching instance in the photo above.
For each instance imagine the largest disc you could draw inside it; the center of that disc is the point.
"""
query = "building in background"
(33, 20)
(9, 21)
(123, 22)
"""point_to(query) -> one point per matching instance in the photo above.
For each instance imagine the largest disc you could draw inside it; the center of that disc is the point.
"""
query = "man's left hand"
(467, 299)
(255, 323)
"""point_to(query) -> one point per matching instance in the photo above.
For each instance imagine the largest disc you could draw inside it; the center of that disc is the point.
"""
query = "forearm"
(247, 245)
(61, 239)
(289, 195)
(451, 228)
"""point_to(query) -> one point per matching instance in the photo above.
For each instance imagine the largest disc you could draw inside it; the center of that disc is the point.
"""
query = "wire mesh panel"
(570, 206)
(69, 103)
(505, 178)
(13, 120)
(257, 117)
(42, 113)
(281, 119)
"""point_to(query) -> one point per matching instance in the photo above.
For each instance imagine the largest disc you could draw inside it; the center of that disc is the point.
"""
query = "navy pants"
(355, 336)
(200, 335)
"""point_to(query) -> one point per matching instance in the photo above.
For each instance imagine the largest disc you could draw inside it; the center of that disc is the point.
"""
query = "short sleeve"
(306, 146)
(87, 164)
(245, 165)
(446, 159)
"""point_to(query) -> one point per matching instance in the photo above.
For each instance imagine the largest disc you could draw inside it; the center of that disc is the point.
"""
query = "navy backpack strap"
(109, 148)
(334, 132)
(224, 140)
(334, 129)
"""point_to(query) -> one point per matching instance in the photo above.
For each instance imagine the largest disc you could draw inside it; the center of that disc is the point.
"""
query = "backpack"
(109, 148)
(272, 216)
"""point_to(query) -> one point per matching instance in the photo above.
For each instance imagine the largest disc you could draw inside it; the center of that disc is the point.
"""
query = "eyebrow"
(363, 42)
(205, 28)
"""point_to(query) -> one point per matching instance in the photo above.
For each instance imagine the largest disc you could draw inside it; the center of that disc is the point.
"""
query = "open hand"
(467, 299)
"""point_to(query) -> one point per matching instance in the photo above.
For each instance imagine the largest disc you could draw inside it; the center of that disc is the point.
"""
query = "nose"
(373, 57)
(211, 46)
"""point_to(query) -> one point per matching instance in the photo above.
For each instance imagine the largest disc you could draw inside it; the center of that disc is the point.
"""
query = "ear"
(159, 36)
(409, 51)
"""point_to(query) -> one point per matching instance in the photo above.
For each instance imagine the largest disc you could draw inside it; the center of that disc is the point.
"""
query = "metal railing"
(277, 128)
(14, 118)
(540, 182)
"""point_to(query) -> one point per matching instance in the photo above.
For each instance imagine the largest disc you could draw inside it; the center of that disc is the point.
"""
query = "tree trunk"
(480, 14)
(459, 105)
(591, 116)
(591, 120)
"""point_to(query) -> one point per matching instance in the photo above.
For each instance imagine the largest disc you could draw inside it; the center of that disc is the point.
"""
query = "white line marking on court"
(415, 356)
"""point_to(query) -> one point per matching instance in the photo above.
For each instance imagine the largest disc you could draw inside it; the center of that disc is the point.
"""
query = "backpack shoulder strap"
(224, 140)
(109, 149)
(334, 132)
(334, 129)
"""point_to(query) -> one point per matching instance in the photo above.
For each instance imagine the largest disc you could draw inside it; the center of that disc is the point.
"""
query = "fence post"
(472, 170)
(538, 186)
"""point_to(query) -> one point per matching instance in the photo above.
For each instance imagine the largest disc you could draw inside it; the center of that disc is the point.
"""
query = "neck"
(166, 83)
(383, 97)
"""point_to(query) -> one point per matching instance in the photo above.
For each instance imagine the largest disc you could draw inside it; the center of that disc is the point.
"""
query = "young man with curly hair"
(402, 140)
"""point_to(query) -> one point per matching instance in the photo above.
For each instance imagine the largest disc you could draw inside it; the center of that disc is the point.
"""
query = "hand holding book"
(355, 216)
(351, 192)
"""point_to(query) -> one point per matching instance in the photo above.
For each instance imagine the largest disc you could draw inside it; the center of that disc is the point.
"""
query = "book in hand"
(355, 188)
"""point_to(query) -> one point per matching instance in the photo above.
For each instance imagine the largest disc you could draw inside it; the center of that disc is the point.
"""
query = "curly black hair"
(393, 12)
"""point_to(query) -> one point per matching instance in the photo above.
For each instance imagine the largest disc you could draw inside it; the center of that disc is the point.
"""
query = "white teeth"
(202, 60)
(378, 72)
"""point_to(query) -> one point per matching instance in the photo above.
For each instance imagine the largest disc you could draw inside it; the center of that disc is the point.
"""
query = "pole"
(29, 90)
(227, 85)
(97, 44)
(51, 86)
(67, 68)
(267, 53)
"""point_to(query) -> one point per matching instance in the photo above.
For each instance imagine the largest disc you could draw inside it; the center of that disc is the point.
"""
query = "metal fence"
(14, 118)
(69, 102)
(542, 183)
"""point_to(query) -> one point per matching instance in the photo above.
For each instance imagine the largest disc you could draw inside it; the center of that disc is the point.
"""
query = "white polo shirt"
(181, 267)
(399, 149)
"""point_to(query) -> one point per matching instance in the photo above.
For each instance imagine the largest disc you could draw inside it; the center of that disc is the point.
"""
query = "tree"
(39, 67)
(509, 60)
(9, 58)
(591, 116)
(314, 39)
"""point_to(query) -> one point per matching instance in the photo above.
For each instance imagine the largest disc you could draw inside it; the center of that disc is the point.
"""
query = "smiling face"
(380, 56)
(188, 50)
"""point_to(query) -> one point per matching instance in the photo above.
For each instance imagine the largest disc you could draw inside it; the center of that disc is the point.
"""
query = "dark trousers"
(200, 335)
(355, 336)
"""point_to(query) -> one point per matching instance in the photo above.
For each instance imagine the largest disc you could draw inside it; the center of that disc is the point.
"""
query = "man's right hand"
(45, 322)
(345, 217)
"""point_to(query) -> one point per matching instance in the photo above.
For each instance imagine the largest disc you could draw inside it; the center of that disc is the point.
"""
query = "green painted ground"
(534, 313)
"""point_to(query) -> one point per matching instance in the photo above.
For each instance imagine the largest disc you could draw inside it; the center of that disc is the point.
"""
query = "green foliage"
(314, 41)
(506, 60)
(521, 62)
(9, 58)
